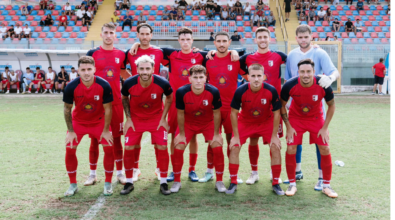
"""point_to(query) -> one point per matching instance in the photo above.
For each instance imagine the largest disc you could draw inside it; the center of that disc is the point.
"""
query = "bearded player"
(110, 65)
(92, 115)
(198, 111)
(271, 61)
(323, 65)
(305, 114)
(145, 112)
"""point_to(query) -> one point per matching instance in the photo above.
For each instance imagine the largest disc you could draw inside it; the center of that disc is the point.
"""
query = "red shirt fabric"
(379, 69)
(198, 109)
(154, 52)
(63, 18)
(271, 62)
(179, 64)
(108, 65)
(88, 101)
(223, 74)
(146, 103)
(306, 102)
(256, 107)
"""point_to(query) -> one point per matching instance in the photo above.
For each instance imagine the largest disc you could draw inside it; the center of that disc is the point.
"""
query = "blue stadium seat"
(35, 35)
(327, 29)
(147, 7)
(342, 13)
(123, 13)
(165, 23)
(337, 34)
(313, 29)
(23, 41)
(22, 18)
(210, 24)
(71, 41)
(81, 35)
(132, 35)
(372, 7)
(267, 13)
(19, 13)
(357, 48)
(242, 34)
(333, 8)
(303, 22)
(50, 35)
(133, 7)
(249, 41)
(152, 13)
(355, 13)
(195, 13)
(351, 35)
(123, 41)
(366, 35)
(379, 18)
(158, 18)
(37, 18)
(15, 7)
(272, 35)
(32, 13)
(48, 12)
(195, 24)
(375, 23)
(137, 12)
(342, 29)
(381, 35)
(246, 18)
(388, 23)
(39, 41)
(76, 29)
(151, 23)
(61, 29)
(346, 8)
(55, 40)
(232, 29)
(203, 29)
(4, 12)
(202, 18)
(11, 23)
(71, 23)
(188, 18)
(2, 7)
(135, 23)
(126, 29)
(217, 18)
(247, 29)
(346, 41)
(361, 41)
(319, 7)
(7, 18)
(45, 29)
(384, 29)
(376, 41)
(369, 13)
(172, 29)
(370, 29)
(58, 8)
(66, 35)
(161, 7)
(351, 17)
(118, 34)
(365, 18)
(60, 47)
(179, 24)
(239, 24)
(322, 35)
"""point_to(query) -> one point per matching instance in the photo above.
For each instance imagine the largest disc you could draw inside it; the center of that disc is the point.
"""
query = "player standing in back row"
(271, 62)
(110, 65)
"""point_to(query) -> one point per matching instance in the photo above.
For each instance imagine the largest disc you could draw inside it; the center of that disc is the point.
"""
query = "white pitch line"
(102, 198)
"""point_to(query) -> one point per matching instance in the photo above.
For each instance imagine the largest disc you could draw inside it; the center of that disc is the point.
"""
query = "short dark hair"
(302, 29)
(262, 29)
(49, 67)
(381, 60)
(221, 33)
(37, 68)
(6, 67)
(87, 60)
(306, 62)
(108, 25)
(62, 67)
(185, 30)
(72, 68)
(144, 25)
(197, 69)
(28, 68)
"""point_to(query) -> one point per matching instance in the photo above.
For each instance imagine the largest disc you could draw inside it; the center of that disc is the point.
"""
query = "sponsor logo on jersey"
(315, 97)
(152, 56)
(109, 73)
(198, 113)
(205, 102)
(270, 62)
(145, 105)
(193, 61)
(183, 72)
(263, 101)
(116, 60)
(89, 107)
(256, 112)
(306, 108)
(96, 97)
(153, 96)
(222, 80)
(230, 67)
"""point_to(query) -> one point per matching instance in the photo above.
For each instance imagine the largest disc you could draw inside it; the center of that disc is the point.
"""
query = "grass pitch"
(33, 176)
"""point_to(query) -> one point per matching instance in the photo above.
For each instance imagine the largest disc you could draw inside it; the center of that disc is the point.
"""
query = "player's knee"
(291, 149)
(130, 147)
(180, 146)
(324, 150)
(161, 147)
(275, 150)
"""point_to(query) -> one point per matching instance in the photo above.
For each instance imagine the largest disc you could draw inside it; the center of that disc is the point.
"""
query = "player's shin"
(128, 159)
(219, 162)
(71, 164)
(234, 164)
(326, 165)
(108, 162)
(178, 161)
(93, 155)
(210, 160)
(253, 152)
(163, 163)
(318, 161)
(118, 151)
(290, 163)
(275, 164)
(193, 155)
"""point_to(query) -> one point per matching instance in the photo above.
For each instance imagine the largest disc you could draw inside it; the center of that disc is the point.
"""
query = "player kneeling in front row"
(259, 117)
(305, 114)
(92, 115)
(198, 111)
(145, 112)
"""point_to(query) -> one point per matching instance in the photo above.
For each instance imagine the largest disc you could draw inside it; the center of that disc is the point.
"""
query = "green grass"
(33, 176)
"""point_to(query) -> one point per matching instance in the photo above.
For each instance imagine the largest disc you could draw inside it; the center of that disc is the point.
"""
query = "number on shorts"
(280, 128)
(126, 139)
(164, 135)
(121, 126)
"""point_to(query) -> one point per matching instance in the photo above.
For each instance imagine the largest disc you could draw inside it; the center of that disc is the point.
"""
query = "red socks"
(192, 161)
(136, 157)
(156, 156)
(210, 160)
(276, 171)
(118, 151)
(233, 170)
(163, 162)
(93, 153)
(128, 159)
(219, 162)
(9, 85)
(178, 161)
(253, 152)
(108, 162)
(326, 167)
(71, 164)
(51, 86)
(290, 164)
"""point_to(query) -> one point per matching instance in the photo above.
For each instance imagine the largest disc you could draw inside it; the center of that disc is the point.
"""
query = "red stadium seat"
(136, 18)
(217, 24)
(335, 13)
(131, 40)
(58, 35)
(139, 7)
(79, 41)
(151, 18)
(314, 34)
(159, 13)
(325, 8)
(63, 40)
(116, 41)
(118, 13)
(41, 12)
(384, 40)
(376, 13)
(373, 35)
(248, 35)
(379, 7)
(195, 18)
(84, 29)
(34, 24)
(329, 34)
(359, 35)
(362, 13)
(246, 24)
(164, 29)
(168, 7)
(8, 7)
(366, 7)
(118, 29)
(146, 13)
(348, 13)
(372, 18)
(188, 24)
(69, 29)
(382, 23)
(188, 12)
(325, 23)
(239, 18)
(42, 35)
(73, 35)
(202, 12)
(47, 41)
(202, 24)
(364, 29)
(344, 35)
(125, 35)
(210, 29)
(38, 29)
(385, 18)
(388, 34)
(352, 7)
(173, 23)
(78, 24)
(36, 7)
(240, 29)
(343, 18)
(320, 29)
(357, 17)
(131, 12)
(15, 18)
(54, 29)
(195, 29)
(354, 40)
(1, 18)
(311, 23)
(134, 29)
(31, 40)
(15, 41)
(154, 7)
(252, 7)
(368, 23)
(339, 8)
(266, 8)
(55, 13)
(157, 24)
(73, 17)
(369, 40)
(377, 29)
(30, 18)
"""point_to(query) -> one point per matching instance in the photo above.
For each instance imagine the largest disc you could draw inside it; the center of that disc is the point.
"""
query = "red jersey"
(154, 52)
(179, 64)
(379, 69)
(271, 62)
(63, 18)
(146, 103)
(223, 74)
(256, 107)
(39, 75)
(108, 65)
(306, 102)
(198, 108)
(88, 101)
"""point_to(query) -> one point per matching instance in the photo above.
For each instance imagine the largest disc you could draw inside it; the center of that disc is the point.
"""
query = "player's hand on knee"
(290, 135)
(234, 142)
(217, 139)
(180, 139)
(107, 136)
(324, 133)
(275, 142)
(128, 124)
(70, 137)
(163, 123)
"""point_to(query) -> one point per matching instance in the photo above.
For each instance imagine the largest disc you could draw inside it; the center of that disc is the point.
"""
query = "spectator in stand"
(203, 4)
(224, 14)
(43, 4)
(173, 14)
(298, 5)
(230, 4)
(336, 2)
(25, 10)
(141, 19)
(321, 14)
(27, 77)
(38, 78)
(359, 5)
(235, 37)
(125, 5)
(50, 5)
(3, 31)
(218, 2)
(68, 10)
(350, 27)
(94, 3)
(306, 4)
(195, 5)
(182, 5)
(80, 15)
(217, 9)
(209, 13)
(260, 4)
(128, 21)
(211, 36)
(84, 3)
(349, 1)
(327, 38)
(302, 17)
(287, 9)
(379, 72)
(11, 32)
(18, 31)
(62, 20)
(358, 25)
(209, 5)
(335, 39)
(329, 15)
(336, 25)
(271, 20)
(115, 19)
(180, 15)
(247, 9)
(48, 21)
(176, 4)
(389, 9)
(117, 4)
(63, 77)
(232, 15)
(88, 17)
(238, 7)
(263, 21)
(313, 4)
(92, 8)
(312, 16)
(254, 20)
(166, 15)
(259, 11)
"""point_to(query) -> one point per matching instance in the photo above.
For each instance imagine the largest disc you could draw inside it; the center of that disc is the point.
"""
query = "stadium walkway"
(103, 16)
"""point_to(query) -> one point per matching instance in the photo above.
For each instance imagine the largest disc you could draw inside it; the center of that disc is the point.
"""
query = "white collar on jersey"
(300, 51)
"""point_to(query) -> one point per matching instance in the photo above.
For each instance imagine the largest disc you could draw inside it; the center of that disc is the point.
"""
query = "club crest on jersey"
(89, 107)
(116, 60)
(315, 97)
(96, 98)
(183, 73)
(270, 62)
(230, 67)
(153, 96)
(193, 61)
(152, 56)
(256, 112)
(263, 101)
(205, 102)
